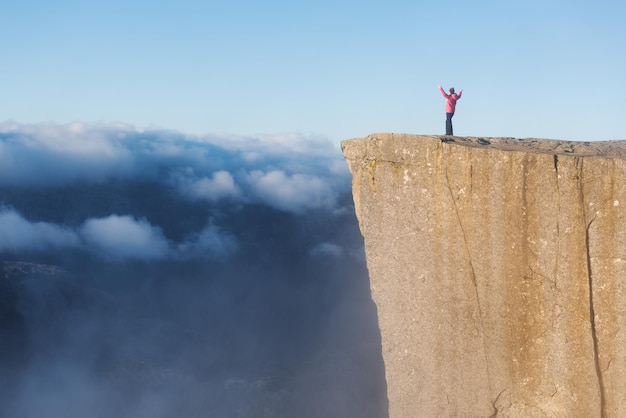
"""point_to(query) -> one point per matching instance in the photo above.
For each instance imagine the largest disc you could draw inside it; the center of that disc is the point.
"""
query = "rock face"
(498, 267)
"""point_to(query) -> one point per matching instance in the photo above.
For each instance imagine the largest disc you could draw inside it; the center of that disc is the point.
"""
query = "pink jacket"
(450, 100)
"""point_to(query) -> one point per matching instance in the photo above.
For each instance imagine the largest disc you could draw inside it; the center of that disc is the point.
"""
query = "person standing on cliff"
(450, 106)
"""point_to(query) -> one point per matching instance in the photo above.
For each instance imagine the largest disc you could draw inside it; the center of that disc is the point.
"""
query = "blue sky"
(340, 69)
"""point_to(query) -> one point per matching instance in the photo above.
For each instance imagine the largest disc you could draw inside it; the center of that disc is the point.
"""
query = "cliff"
(498, 267)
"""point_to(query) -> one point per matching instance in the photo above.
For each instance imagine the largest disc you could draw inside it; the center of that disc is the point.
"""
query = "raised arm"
(443, 93)
(460, 93)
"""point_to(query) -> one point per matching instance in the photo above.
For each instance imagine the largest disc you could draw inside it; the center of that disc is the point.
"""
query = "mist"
(148, 273)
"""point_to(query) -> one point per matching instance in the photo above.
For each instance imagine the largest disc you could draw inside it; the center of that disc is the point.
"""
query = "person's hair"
(451, 90)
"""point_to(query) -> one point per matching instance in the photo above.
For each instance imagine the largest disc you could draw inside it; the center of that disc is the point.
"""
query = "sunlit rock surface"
(498, 266)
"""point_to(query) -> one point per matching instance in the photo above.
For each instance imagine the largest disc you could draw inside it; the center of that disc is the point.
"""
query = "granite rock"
(498, 267)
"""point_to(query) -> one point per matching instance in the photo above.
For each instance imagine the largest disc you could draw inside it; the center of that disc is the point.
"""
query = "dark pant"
(449, 123)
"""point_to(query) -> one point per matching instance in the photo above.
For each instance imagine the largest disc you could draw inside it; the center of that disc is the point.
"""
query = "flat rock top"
(609, 149)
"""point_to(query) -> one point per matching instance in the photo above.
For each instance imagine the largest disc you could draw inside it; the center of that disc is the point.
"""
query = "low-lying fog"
(153, 274)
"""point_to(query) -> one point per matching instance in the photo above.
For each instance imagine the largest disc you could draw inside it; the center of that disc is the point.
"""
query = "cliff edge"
(498, 267)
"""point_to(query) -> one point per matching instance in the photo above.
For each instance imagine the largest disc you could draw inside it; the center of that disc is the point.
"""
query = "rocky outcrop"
(498, 267)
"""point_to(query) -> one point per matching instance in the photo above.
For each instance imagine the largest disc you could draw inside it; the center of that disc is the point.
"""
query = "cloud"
(124, 237)
(220, 185)
(295, 192)
(279, 146)
(291, 172)
(217, 267)
(18, 234)
(48, 154)
(211, 242)
(114, 238)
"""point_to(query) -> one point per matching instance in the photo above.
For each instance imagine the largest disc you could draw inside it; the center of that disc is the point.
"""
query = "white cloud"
(339, 168)
(18, 234)
(291, 172)
(282, 145)
(124, 237)
(74, 139)
(211, 242)
(45, 154)
(295, 192)
(118, 238)
(220, 185)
